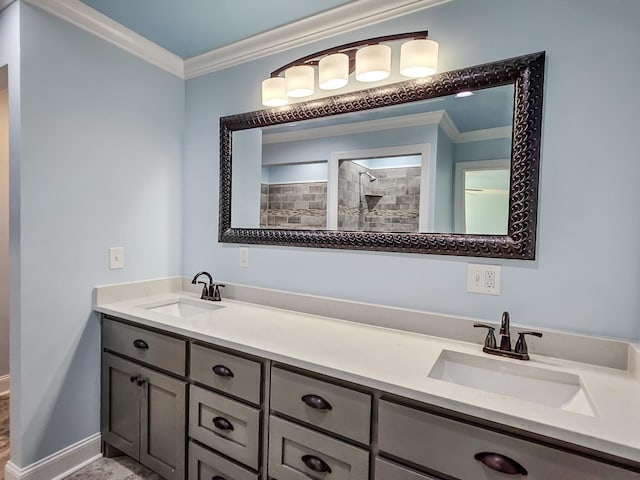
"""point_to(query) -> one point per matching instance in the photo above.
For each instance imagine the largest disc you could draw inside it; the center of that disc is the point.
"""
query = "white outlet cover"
(483, 279)
(116, 258)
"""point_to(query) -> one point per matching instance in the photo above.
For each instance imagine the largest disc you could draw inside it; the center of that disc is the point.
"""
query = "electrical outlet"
(244, 257)
(483, 279)
(116, 258)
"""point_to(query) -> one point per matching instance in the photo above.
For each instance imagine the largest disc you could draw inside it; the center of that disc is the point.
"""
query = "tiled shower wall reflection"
(301, 206)
(389, 204)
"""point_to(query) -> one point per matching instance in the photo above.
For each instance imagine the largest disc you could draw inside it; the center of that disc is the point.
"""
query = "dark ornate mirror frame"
(526, 72)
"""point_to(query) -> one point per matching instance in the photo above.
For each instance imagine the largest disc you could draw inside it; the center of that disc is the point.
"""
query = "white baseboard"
(4, 385)
(60, 464)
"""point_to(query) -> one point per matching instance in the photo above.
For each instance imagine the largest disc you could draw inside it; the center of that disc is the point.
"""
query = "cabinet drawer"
(390, 471)
(337, 409)
(297, 453)
(225, 425)
(159, 350)
(450, 446)
(207, 465)
(228, 373)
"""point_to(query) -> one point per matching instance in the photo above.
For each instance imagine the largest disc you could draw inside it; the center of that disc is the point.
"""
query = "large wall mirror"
(443, 165)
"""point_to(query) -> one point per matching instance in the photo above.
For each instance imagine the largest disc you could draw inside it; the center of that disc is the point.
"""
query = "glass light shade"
(418, 58)
(274, 93)
(333, 71)
(299, 81)
(373, 63)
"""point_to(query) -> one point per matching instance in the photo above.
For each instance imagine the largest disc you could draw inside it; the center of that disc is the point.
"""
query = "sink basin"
(547, 387)
(182, 307)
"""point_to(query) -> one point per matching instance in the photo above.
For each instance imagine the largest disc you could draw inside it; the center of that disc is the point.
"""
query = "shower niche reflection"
(379, 194)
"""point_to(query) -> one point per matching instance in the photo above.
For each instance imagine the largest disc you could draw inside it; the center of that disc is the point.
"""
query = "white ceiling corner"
(5, 3)
(343, 19)
(89, 19)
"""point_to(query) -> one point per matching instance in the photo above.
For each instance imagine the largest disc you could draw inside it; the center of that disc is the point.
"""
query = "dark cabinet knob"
(141, 381)
(316, 464)
(141, 344)
(223, 424)
(500, 463)
(133, 378)
(222, 371)
(319, 403)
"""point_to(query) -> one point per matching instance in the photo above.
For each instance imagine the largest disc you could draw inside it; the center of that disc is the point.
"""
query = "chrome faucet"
(210, 291)
(521, 351)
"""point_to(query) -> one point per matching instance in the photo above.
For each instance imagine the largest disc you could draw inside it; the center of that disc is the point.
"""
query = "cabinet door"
(121, 404)
(162, 425)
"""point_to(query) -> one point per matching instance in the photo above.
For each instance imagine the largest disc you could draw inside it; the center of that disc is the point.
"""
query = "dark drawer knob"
(222, 371)
(316, 464)
(223, 424)
(141, 344)
(133, 378)
(500, 463)
(141, 381)
(319, 403)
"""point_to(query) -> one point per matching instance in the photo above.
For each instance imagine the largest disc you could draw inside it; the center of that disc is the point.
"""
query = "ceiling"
(190, 27)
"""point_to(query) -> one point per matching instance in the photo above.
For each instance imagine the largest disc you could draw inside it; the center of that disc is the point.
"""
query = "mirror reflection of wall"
(379, 194)
(294, 196)
(296, 175)
(482, 197)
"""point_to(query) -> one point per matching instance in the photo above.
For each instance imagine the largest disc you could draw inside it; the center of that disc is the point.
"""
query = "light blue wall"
(320, 149)
(444, 184)
(496, 149)
(573, 285)
(100, 167)
(10, 56)
(306, 172)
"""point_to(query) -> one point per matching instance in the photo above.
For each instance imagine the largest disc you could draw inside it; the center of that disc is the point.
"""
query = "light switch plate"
(116, 258)
(244, 257)
(483, 279)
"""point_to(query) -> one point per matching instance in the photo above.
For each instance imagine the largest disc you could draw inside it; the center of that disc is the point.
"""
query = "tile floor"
(4, 433)
(119, 468)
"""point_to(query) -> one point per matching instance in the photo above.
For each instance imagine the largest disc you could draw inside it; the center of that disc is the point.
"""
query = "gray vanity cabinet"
(458, 450)
(143, 410)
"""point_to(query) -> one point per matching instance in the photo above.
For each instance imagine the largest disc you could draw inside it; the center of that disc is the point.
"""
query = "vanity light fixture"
(369, 60)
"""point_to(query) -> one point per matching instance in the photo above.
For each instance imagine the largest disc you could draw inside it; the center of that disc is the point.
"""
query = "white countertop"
(399, 362)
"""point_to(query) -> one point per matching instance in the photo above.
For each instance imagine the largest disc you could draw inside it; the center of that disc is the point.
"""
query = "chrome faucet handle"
(521, 344)
(490, 339)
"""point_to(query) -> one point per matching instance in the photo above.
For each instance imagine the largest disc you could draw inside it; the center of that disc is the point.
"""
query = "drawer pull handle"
(500, 463)
(141, 344)
(316, 464)
(217, 477)
(319, 403)
(223, 424)
(222, 371)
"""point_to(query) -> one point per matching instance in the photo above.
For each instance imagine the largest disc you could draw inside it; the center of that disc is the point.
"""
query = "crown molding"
(428, 118)
(92, 21)
(343, 19)
(486, 134)
(437, 117)
(5, 3)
